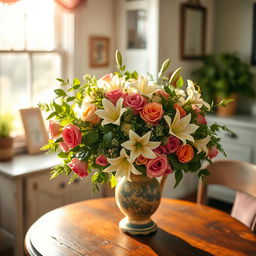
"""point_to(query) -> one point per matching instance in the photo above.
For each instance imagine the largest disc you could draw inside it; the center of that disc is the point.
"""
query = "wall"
(169, 34)
(95, 18)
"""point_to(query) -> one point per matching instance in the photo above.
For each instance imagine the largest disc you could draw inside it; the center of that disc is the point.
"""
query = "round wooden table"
(91, 228)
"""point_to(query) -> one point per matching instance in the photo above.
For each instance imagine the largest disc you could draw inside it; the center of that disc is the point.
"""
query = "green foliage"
(224, 74)
(6, 122)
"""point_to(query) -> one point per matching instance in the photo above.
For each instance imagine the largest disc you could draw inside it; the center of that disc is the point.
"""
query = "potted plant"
(6, 140)
(225, 76)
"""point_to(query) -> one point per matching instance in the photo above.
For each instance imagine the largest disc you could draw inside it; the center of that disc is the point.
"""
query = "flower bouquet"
(125, 123)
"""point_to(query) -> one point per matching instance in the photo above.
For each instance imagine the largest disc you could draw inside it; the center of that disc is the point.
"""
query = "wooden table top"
(185, 229)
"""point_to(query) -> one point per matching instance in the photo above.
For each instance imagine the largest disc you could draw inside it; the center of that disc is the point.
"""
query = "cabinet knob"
(62, 185)
(35, 186)
(76, 181)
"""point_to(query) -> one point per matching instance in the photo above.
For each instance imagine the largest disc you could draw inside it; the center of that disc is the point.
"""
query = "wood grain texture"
(185, 229)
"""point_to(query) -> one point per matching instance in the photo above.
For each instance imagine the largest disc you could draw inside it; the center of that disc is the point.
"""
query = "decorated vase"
(138, 200)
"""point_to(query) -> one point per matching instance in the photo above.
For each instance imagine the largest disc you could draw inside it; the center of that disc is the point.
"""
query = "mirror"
(193, 31)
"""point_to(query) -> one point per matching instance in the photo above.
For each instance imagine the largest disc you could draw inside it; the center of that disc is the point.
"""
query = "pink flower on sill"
(64, 147)
(156, 167)
(71, 135)
(101, 160)
(213, 152)
(135, 101)
(54, 129)
(79, 167)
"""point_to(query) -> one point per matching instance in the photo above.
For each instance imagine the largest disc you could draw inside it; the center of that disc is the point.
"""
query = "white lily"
(111, 114)
(194, 96)
(143, 87)
(180, 127)
(140, 145)
(112, 83)
(122, 166)
(201, 145)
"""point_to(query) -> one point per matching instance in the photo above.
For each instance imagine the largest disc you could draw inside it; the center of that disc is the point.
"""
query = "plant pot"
(230, 109)
(138, 200)
(6, 148)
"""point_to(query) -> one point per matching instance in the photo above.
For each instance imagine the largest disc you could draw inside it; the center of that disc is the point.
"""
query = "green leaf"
(73, 178)
(63, 155)
(60, 92)
(113, 181)
(107, 137)
(76, 82)
(178, 177)
(179, 82)
(91, 137)
(57, 107)
(203, 172)
(119, 60)
(52, 115)
(70, 99)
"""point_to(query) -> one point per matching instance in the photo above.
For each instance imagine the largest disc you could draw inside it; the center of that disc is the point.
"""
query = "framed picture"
(99, 51)
(35, 132)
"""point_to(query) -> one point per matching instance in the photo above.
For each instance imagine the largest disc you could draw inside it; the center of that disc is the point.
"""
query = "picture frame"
(35, 132)
(99, 51)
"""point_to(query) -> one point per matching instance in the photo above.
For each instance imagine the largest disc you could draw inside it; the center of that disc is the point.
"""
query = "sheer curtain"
(67, 4)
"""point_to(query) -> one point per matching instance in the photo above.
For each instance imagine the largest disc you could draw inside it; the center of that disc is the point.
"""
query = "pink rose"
(71, 135)
(101, 160)
(160, 150)
(172, 144)
(135, 101)
(79, 167)
(54, 129)
(157, 167)
(200, 119)
(213, 152)
(168, 170)
(64, 147)
(114, 95)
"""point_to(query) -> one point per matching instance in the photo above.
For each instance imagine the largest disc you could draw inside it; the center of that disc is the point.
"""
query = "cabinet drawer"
(241, 136)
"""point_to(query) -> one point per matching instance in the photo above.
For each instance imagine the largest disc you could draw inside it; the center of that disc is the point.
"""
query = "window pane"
(12, 26)
(136, 29)
(39, 24)
(46, 68)
(13, 84)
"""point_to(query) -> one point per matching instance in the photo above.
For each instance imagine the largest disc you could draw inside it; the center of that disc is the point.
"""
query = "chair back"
(239, 176)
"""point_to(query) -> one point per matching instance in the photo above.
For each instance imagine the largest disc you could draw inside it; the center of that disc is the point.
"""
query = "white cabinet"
(26, 193)
(241, 146)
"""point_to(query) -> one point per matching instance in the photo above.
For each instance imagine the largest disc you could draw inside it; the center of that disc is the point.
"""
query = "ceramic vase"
(138, 200)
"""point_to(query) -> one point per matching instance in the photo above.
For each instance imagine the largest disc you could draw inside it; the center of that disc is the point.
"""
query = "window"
(29, 61)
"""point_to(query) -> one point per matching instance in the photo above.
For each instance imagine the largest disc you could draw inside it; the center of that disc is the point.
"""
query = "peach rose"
(213, 152)
(152, 113)
(163, 93)
(107, 77)
(54, 129)
(140, 160)
(88, 113)
(181, 110)
(185, 153)
(71, 135)
(156, 167)
(101, 160)
(79, 167)
(64, 147)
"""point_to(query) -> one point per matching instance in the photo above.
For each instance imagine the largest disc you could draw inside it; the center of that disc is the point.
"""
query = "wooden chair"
(237, 175)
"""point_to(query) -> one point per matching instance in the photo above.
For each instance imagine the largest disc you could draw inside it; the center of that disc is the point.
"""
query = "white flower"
(122, 166)
(180, 127)
(111, 114)
(143, 87)
(140, 146)
(194, 96)
(201, 145)
(111, 83)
